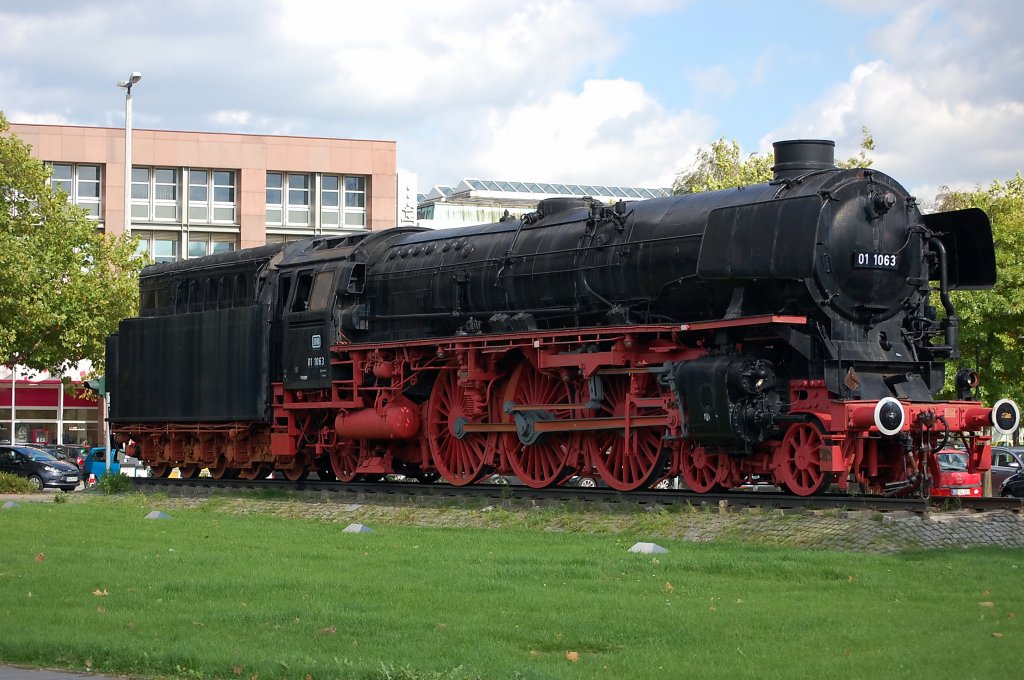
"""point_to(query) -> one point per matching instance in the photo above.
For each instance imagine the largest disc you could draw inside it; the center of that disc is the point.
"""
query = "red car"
(950, 476)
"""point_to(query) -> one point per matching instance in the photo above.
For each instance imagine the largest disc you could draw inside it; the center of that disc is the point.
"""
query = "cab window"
(303, 285)
(320, 298)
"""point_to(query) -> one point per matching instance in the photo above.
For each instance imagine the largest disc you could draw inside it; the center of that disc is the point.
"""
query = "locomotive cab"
(316, 279)
(305, 298)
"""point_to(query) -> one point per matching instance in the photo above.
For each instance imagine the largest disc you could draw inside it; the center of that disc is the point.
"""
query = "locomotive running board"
(540, 337)
(744, 321)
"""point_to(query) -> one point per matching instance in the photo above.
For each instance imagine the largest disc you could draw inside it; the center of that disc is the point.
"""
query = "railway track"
(515, 494)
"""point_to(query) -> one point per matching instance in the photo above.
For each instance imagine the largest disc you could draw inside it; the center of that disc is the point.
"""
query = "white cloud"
(464, 87)
(445, 55)
(610, 132)
(35, 118)
(239, 118)
(945, 103)
(23, 33)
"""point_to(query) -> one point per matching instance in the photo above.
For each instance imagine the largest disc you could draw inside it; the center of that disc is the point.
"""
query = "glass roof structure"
(549, 189)
(484, 201)
(438, 192)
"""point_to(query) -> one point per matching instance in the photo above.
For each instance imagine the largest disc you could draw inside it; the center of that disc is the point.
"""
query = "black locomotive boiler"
(780, 333)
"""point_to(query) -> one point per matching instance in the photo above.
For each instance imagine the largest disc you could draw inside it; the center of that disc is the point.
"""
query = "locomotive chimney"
(795, 157)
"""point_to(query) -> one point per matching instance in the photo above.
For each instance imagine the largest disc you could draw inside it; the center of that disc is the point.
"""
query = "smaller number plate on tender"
(876, 260)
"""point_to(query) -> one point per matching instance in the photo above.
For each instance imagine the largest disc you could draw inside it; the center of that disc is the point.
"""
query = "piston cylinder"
(399, 419)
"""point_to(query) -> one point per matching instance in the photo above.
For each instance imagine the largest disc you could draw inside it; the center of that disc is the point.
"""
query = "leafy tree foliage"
(721, 166)
(862, 159)
(992, 321)
(63, 285)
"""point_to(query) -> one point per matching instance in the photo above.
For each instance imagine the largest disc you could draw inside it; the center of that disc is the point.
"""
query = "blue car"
(96, 462)
(41, 468)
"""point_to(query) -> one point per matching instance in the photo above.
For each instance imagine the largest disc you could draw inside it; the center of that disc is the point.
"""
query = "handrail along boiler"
(778, 333)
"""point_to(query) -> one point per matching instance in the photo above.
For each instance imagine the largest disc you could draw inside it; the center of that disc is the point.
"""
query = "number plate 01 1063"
(876, 260)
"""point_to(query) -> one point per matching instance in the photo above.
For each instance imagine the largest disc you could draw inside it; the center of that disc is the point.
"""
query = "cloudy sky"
(603, 91)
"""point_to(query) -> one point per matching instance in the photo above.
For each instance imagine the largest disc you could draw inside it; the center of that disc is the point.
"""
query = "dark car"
(69, 453)
(1007, 456)
(1013, 486)
(42, 468)
(1006, 462)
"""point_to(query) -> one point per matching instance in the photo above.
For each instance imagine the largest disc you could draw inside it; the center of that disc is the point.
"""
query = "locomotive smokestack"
(795, 157)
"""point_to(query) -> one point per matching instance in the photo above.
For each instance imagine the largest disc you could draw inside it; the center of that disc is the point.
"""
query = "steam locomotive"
(781, 333)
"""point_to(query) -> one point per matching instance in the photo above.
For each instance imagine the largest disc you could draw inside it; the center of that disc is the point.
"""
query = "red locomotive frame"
(528, 405)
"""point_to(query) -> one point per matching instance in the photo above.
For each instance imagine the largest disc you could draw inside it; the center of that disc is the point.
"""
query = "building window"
(298, 200)
(274, 203)
(155, 194)
(81, 183)
(351, 213)
(158, 246)
(282, 238)
(34, 425)
(355, 201)
(211, 196)
(198, 196)
(198, 248)
(222, 244)
(79, 426)
(165, 248)
(200, 245)
(288, 199)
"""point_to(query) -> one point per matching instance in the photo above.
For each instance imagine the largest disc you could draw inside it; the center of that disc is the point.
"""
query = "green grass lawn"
(211, 595)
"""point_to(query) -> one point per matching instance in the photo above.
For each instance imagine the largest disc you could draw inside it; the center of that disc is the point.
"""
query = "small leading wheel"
(344, 461)
(627, 462)
(552, 458)
(460, 460)
(703, 471)
(798, 461)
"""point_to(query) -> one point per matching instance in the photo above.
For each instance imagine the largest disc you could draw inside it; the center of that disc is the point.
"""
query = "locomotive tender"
(778, 333)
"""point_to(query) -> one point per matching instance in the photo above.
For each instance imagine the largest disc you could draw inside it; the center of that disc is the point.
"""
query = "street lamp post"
(127, 85)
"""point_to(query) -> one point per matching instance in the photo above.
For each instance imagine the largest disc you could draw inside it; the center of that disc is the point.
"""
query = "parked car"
(96, 462)
(1013, 486)
(950, 476)
(42, 468)
(71, 453)
(1006, 462)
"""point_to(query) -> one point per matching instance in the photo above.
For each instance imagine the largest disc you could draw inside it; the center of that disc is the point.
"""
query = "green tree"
(862, 159)
(721, 166)
(992, 321)
(63, 285)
